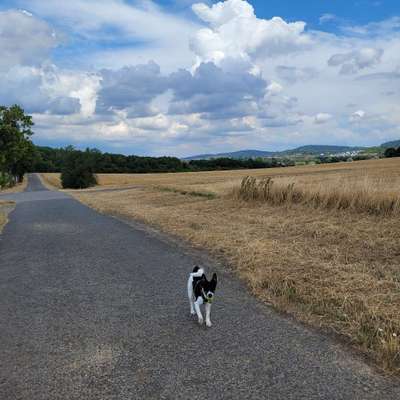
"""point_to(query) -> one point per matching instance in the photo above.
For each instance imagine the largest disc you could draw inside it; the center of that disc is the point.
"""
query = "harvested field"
(332, 267)
(380, 173)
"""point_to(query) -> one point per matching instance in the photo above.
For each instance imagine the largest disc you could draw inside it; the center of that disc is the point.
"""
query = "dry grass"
(5, 207)
(330, 267)
(51, 181)
(19, 187)
(380, 173)
(363, 195)
(3, 220)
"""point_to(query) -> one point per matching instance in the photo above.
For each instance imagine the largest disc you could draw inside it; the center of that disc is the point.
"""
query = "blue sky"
(352, 11)
(361, 11)
(183, 77)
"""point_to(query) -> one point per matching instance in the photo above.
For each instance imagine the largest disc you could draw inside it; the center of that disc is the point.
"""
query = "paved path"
(92, 308)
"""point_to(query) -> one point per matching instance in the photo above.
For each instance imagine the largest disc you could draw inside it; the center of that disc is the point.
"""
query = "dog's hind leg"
(197, 305)
(190, 295)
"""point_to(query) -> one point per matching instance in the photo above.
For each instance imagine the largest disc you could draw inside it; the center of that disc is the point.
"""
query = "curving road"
(94, 308)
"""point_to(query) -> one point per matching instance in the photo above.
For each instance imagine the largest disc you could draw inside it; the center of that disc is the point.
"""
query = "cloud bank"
(134, 78)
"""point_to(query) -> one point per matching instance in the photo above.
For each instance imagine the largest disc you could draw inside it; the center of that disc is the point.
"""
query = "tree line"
(49, 159)
(392, 152)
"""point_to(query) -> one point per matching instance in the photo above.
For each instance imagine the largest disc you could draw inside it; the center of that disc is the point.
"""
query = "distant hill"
(394, 143)
(319, 149)
(235, 154)
(303, 150)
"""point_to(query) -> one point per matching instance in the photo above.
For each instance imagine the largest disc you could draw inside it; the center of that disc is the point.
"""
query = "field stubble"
(333, 267)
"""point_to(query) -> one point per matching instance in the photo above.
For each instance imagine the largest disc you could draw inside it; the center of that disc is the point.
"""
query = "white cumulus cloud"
(135, 75)
(234, 31)
(274, 89)
(24, 39)
(357, 60)
(357, 115)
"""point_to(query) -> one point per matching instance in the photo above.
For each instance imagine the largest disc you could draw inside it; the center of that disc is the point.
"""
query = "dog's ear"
(213, 283)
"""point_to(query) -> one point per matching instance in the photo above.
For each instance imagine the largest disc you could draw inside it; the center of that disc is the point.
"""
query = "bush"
(392, 152)
(78, 171)
(6, 180)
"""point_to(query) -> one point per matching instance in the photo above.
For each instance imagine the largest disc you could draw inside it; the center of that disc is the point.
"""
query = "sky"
(182, 77)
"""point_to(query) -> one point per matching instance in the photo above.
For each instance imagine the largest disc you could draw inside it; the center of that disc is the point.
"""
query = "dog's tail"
(197, 271)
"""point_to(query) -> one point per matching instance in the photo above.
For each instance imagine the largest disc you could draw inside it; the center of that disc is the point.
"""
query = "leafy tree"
(16, 148)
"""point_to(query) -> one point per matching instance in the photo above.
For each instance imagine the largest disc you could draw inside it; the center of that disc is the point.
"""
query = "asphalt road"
(93, 308)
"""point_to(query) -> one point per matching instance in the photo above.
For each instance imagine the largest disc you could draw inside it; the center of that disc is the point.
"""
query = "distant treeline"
(49, 159)
(392, 152)
(336, 159)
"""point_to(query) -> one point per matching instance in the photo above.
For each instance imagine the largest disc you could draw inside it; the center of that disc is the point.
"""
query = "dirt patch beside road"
(5, 208)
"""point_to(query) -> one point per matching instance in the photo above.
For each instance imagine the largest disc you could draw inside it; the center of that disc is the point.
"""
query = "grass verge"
(3, 220)
(19, 187)
(5, 208)
(51, 181)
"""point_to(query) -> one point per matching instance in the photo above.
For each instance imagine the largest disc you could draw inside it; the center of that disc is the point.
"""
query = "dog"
(201, 291)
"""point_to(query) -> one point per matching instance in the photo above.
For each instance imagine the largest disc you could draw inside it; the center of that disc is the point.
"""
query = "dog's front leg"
(208, 314)
(190, 296)
(197, 305)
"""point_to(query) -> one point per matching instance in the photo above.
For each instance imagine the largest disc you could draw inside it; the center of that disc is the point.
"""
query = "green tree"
(16, 148)
(78, 169)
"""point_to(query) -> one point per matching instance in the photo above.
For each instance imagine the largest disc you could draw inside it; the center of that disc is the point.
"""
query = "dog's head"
(209, 287)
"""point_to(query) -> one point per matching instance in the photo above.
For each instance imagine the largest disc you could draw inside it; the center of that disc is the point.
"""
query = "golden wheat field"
(319, 242)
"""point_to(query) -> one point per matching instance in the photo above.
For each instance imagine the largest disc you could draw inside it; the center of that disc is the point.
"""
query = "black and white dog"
(201, 291)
